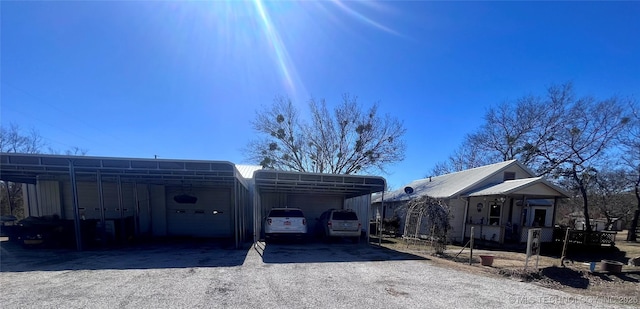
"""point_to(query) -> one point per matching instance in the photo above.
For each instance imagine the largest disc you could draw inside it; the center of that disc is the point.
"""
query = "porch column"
(510, 211)
(555, 209)
(502, 229)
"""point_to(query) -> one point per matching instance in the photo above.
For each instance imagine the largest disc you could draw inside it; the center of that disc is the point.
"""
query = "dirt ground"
(574, 277)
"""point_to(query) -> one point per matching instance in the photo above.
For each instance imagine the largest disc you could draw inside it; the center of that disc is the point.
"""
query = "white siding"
(199, 219)
(456, 218)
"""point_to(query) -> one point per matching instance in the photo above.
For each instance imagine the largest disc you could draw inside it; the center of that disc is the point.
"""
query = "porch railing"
(581, 237)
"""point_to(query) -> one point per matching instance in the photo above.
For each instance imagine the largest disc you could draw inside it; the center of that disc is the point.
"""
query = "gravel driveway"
(318, 275)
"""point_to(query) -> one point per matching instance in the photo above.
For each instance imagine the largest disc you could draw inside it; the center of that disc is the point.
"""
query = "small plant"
(391, 225)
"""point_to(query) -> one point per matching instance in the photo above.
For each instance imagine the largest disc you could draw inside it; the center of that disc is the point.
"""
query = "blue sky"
(183, 79)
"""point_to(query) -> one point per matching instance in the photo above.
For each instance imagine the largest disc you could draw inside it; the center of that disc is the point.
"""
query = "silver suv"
(341, 223)
(285, 222)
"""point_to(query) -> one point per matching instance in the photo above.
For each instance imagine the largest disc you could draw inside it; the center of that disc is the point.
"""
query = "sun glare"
(278, 47)
(362, 18)
(282, 33)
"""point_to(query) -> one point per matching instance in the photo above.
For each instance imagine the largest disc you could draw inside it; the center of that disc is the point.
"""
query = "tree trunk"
(585, 205)
(9, 197)
(585, 202)
(632, 236)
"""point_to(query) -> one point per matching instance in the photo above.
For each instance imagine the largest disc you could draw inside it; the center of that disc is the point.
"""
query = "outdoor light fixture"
(501, 199)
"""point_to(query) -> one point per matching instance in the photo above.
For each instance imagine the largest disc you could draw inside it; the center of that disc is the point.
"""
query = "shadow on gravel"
(630, 276)
(318, 252)
(566, 276)
(167, 254)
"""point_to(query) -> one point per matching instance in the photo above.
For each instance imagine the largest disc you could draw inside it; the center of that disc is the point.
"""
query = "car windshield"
(345, 215)
(286, 213)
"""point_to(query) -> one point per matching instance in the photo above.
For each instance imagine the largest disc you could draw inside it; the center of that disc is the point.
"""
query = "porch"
(505, 234)
(505, 213)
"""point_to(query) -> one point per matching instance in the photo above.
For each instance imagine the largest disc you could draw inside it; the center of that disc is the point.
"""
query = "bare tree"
(468, 155)
(557, 134)
(588, 131)
(630, 144)
(611, 194)
(347, 140)
(73, 151)
(13, 139)
(513, 130)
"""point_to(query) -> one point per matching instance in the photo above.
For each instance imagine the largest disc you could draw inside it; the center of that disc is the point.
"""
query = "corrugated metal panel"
(158, 200)
(30, 200)
(49, 198)
(89, 200)
(313, 183)
(144, 210)
(314, 205)
(246, 171)
(200, 219)
(271, 200)
(361, 205)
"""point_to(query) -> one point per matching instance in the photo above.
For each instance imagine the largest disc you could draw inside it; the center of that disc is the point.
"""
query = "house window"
(509, 176)
(539, 217)
(494, 214)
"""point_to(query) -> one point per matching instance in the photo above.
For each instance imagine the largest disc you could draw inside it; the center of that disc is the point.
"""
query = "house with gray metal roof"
(502, 201)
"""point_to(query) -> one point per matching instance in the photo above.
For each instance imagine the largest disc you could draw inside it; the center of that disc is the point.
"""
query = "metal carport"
(32, 169)
(281, 188)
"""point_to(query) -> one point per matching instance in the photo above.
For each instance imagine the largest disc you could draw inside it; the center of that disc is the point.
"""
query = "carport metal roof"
(26, 168)
(297, 182)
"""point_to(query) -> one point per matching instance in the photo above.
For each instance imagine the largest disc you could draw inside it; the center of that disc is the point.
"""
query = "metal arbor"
(427, 222)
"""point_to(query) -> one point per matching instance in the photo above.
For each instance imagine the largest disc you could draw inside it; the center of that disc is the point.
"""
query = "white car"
(285, 222)
(341, 223)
